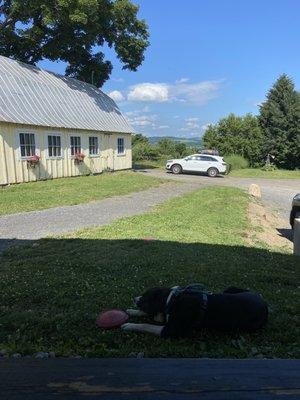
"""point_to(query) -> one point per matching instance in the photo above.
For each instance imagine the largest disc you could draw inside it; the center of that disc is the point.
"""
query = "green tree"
(144, 151)
(139, 138)
(166, 147)
(280, 121)
(74, 31)
(237, 135)
(181, 149)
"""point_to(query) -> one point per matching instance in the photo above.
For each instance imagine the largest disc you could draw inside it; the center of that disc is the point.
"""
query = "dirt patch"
(269, 227)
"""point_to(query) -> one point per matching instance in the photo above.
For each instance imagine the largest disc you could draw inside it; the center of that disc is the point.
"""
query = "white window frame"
(99, 146)
(51, 133)
(69, 145)
(29, 131)
(124, 148)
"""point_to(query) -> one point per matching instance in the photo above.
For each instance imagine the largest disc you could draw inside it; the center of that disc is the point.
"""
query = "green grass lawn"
(259, 173)
(52, 291)
(69, 191)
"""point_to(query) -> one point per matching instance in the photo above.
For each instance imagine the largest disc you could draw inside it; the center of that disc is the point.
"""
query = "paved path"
(38, 224)
(277, 194)
(149, 379)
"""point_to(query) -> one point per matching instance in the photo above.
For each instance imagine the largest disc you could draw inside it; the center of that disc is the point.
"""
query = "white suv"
(211, 165)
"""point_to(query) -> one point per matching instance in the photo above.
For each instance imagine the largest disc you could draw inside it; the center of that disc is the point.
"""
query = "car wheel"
(212, 172)
(176, 169)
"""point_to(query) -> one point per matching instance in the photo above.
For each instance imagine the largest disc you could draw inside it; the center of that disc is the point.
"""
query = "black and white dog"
(185, 310)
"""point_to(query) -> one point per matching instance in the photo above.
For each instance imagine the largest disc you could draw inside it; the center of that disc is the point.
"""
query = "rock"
(254, 190)
(41, 354)
(140, 355)
(52, 354)
(16, 355)
(132, 355)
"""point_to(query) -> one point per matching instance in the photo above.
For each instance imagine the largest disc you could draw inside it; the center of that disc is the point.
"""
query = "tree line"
(251, 139)
(165, 148)
(274, 132)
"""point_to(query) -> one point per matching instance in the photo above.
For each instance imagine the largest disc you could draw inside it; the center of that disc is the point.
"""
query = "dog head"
(153, 302)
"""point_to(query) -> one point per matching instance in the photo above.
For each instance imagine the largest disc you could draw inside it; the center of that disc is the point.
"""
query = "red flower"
(79, 157)
(34, 159)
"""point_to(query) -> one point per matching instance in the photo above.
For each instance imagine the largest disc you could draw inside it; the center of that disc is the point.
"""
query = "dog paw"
(127, 327)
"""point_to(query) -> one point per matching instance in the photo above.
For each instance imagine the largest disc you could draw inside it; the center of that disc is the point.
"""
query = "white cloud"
(192, 119)
(190, 124)
(163, 127)
(152, 92)
(135, 113)
(205, 126)
(118, 79)
(116, 95)
(182, 80)
(181, 91)
(141, 120)
(197, 93)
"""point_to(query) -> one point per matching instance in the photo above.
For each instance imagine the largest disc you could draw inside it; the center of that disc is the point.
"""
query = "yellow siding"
(15, 170)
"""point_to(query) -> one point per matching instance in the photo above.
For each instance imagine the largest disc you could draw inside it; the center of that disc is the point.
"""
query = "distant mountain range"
(187, 141)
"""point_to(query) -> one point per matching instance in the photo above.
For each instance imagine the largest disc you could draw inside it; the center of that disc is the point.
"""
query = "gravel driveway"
(277, 194)
(23, 227)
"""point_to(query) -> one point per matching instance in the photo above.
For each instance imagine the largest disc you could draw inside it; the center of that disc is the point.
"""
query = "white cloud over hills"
(181, 91)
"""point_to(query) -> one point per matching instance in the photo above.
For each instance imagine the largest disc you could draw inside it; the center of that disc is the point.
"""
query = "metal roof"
(32, 96)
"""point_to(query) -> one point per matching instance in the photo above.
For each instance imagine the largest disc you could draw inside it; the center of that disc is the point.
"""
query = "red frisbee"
(111, 319)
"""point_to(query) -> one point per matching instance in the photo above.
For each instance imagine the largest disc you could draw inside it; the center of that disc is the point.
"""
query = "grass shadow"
(53, 289)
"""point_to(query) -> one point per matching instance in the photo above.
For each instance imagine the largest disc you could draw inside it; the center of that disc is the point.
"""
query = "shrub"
(269, 167)
(236, 161)
(144, 151)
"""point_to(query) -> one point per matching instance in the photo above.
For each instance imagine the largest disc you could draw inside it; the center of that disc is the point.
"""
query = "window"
(54, 146)
(27, 144)
(75, 145)
(93, 145)
(208, 159)
(121, 148)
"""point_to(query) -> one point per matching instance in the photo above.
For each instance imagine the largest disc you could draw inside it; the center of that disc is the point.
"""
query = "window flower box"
(33, 161)
(78, 158)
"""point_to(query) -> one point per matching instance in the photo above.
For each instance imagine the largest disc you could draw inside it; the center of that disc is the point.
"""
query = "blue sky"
(206, 59)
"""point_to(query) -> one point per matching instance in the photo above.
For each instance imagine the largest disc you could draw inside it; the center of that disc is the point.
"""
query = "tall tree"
(73, 31)
(166, 146)
(139, 138)
(280, 121)
(237, 135)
